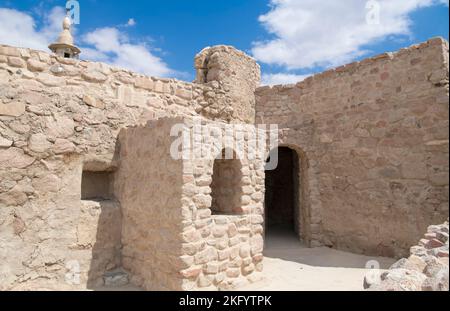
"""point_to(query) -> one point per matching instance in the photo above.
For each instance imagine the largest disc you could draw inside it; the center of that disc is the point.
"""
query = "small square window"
(96, 186)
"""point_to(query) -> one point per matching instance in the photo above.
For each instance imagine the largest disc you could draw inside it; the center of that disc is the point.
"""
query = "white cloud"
(106, 44)
(310, 33)
(19, 29)
(282, 78)
(112, 46)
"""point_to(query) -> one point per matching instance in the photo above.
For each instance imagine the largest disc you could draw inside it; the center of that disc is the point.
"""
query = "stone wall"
(59, 118)
(425, 270)
(234, 72)
(226, 186)
(223, 250)
(171, 240)
(148, 185)
(373, 140)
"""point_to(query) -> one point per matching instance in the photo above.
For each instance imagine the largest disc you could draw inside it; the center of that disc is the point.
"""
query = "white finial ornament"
(64, 46)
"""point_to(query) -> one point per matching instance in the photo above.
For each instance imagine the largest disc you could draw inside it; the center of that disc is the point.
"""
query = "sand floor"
(290, 266)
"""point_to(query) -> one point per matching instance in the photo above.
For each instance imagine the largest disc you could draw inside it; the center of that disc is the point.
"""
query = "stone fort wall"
(172, 237)
(59, 123)
(373, 140)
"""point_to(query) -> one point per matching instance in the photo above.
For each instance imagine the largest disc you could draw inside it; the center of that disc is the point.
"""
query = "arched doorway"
(285, 207)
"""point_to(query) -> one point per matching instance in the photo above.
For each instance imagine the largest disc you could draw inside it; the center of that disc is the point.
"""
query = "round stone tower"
(236, 74)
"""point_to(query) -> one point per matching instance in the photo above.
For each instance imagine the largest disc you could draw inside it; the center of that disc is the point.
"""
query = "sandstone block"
(204, 281)
(233, 272)
(16, 62)
(14, 109)
(15, 197)
(5, 143)
(47, 183)
(437, 283)
(144, 83)
(191, 272)
(51, 80)
(433, 267)
(38, 143)
(93, 102)
(223, 254)
(94, 76)
(14, 158)
(248, 269)
(209, 254)
(232, 230)
(35, 65)
(9, 51)
(244, 251)
(211, 268)
(63, 146)
(60, 126)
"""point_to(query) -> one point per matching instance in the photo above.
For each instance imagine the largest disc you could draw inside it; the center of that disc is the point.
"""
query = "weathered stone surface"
(39, 143)
(50, 80)
(423, 270)
(59, 126)
(63, 146)
(16, 62)
(144, 83)
(14, 158)
(372, 149)
(5, 143)
(47, 183)
(15, 197)
(14, 109)
(93, 102)
(368, 159)
(400, 280)
(94, 76)
(439, 282)
(35, 65)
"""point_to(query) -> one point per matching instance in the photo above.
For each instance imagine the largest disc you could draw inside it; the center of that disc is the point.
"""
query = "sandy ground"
(289, 266)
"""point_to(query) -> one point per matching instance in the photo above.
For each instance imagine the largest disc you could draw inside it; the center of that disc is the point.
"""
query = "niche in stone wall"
(226, 185)
(97, 180)
(97, 186)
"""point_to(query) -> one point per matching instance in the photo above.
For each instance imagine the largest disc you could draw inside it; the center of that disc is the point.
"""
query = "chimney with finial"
(64, 46)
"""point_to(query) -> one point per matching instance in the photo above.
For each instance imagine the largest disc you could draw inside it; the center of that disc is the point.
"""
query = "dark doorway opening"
(282, 197)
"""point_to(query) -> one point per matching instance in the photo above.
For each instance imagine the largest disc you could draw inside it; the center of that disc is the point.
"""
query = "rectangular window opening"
(97, 186)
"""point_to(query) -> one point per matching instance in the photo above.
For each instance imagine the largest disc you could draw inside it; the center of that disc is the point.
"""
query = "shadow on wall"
(100, 223)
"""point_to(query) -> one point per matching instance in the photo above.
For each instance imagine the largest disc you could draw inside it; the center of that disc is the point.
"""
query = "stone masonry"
(372, 138)
(425, 270)
(170, 238)
(59, 124)
(88, 186)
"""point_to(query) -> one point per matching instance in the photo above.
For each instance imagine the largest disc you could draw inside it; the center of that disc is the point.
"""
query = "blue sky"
(290, 38)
